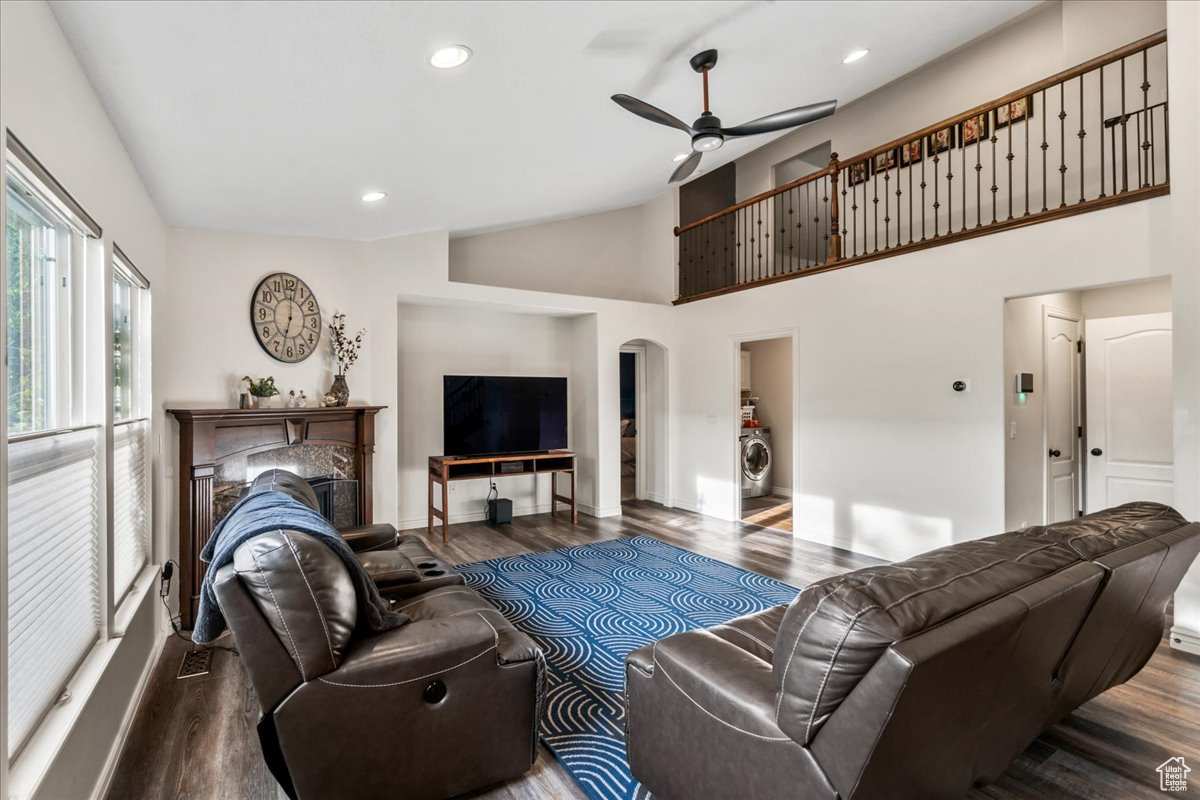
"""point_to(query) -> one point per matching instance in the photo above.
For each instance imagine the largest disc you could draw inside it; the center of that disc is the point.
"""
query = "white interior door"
(1061, 329)
(1129, 410)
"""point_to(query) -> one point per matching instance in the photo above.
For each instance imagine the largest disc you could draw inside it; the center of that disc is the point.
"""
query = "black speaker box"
(499, 511)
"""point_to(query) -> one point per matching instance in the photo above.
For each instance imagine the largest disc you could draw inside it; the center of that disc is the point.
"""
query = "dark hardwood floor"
(195, 738)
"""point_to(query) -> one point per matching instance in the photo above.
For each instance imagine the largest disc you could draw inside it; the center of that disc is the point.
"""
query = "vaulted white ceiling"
(276, 117)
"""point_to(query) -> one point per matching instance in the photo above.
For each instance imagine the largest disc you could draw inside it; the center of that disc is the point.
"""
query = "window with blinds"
(54, 603)
(131, 505)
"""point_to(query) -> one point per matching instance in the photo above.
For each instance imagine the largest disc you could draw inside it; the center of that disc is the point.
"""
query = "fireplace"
(222, 450)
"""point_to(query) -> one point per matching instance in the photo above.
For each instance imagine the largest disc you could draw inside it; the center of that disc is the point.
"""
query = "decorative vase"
(339, 390)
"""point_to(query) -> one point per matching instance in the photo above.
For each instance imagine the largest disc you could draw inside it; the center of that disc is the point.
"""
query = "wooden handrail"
(1053, 80)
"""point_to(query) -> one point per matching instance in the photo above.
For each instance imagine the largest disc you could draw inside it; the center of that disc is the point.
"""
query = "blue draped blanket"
(271, 511)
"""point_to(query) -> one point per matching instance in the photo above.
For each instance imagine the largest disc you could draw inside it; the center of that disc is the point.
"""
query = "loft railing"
(1084, 139)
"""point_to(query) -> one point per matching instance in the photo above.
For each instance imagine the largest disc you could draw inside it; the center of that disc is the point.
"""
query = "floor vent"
(195, 663)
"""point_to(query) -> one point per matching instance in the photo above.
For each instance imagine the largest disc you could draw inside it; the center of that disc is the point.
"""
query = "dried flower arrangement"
(345, 349)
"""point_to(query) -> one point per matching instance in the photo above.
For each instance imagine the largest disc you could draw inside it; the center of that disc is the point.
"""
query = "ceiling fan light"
(706, 142)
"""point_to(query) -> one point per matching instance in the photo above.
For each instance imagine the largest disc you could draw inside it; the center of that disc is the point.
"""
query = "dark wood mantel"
(209, 436)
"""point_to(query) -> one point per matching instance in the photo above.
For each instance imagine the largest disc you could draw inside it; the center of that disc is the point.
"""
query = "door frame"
(1049, 311)
(639, 395)
(735, 372)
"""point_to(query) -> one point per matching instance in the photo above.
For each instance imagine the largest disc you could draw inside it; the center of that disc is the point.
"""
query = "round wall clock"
(286, 317)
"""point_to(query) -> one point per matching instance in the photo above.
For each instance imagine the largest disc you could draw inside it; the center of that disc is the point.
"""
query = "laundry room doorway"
(766, 445)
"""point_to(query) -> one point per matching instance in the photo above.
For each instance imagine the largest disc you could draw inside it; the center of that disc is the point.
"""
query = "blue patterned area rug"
(589, 607)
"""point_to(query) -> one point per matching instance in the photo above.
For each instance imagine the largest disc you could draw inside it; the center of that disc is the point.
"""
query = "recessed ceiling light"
(855, 56)
(373, 197)
(450, 57)
(680, 157)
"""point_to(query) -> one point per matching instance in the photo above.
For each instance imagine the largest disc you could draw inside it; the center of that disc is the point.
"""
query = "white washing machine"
(755, 459)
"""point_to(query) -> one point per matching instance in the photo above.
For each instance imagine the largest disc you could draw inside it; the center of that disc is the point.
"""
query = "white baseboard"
(1186, 640)
(593, 511)
(114, 755)
(666, 502)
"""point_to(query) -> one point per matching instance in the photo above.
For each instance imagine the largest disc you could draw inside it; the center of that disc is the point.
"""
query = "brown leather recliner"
(445, 704)
(912, 680)
(401, 566)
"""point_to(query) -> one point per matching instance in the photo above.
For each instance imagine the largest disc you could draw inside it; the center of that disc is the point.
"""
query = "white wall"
(1183, 235)
(1140, 297)
(617, 254)
(47, 101)
(438, 341)
(771, 382)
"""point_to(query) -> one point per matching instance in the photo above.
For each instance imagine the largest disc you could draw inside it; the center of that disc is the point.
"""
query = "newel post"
(835, 237)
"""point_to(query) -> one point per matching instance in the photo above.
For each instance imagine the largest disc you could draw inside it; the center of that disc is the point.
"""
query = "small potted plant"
(261, 391)
(345, 353)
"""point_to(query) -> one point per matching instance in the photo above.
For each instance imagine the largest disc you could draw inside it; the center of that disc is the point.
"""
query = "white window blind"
(53, 570)
(131, 504)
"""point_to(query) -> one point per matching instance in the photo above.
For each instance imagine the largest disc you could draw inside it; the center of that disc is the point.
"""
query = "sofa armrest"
(417, 651)
(363, 538)
(389, 568)
(730, 685)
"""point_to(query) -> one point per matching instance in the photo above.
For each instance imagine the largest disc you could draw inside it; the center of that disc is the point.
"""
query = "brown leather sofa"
(445, 704)
(912, 680)
(401, 566)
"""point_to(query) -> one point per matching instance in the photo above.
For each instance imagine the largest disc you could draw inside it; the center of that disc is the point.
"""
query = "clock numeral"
(266, 333)
(312, 306)
(310, 338)
(276, 345)
(288, 353)
(267, 297)
(313, 323)
(262, 313)
(301, 349)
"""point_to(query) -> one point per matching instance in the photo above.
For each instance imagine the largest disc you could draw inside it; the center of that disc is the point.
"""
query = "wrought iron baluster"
(978, 133)
(825, 200)
(936, 204)
(854, 214)
(1101, 135)
(979, 178)
(1082, 136)
(1028, 111)
(994, 188)
(924, 142)
(875, 207)
(1146, 114)
(844, 178)
(1045, 149)
(950, 188)
(1062, 143)
(911, 170)
(1137, 130)
(887, 213)
(1124, 136)
(1011, 122)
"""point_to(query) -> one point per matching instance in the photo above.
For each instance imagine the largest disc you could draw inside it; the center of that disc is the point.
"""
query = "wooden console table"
(444, 469)
(211, 436)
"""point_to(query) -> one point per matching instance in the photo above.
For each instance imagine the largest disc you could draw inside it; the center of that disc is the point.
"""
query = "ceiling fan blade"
(783, 119)
(647, 111)
(686, 168)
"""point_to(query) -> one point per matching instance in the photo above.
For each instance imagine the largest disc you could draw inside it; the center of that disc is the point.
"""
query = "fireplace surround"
(221, 450)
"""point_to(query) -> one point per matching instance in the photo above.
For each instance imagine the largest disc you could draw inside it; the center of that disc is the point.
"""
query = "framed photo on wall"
(858, 173)
(881, 162)
(1016, 111)
(972, 130)
(940, 141)
(910, 153)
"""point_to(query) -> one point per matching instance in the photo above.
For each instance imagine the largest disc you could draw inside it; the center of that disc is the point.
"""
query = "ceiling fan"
(706, 132)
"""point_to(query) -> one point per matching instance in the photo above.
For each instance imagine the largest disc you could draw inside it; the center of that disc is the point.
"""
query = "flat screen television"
(491, 415)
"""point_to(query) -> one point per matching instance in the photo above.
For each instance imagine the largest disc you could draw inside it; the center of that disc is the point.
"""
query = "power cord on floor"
(164, 589)
(488, 502)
